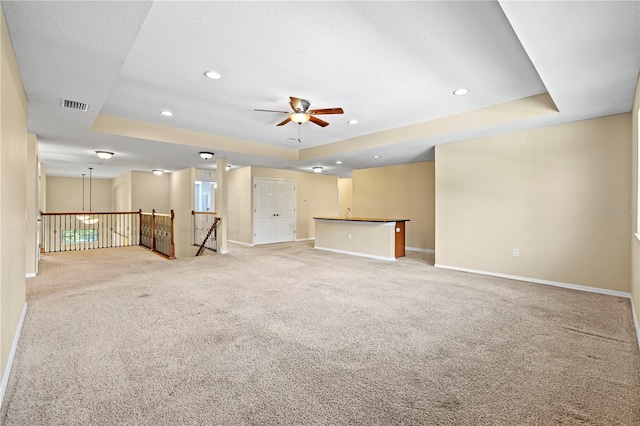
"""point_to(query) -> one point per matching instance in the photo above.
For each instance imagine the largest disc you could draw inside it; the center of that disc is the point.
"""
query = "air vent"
(207, 174)
(66, 103)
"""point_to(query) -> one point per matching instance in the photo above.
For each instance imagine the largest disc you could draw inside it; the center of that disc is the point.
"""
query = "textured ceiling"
(391, 65)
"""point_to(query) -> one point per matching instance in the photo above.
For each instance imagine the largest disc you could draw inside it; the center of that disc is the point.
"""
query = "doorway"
(205, 197)
(274, 211)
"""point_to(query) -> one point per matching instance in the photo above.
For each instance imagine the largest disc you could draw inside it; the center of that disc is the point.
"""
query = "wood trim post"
(153, 230)
(173, 245)
(139, 227)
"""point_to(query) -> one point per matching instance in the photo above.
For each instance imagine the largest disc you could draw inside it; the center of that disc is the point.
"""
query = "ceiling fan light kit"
(104, 155)
(301, 112)
(206, 155)
(300, 117)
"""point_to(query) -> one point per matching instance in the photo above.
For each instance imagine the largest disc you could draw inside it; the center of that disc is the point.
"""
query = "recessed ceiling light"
(105, 155)
(212, 75)
(354, 121)
(338, 162)
(206, 155)
(157, 171)
(376, 156)
(166, 113)
(460, 92)
(317, 169)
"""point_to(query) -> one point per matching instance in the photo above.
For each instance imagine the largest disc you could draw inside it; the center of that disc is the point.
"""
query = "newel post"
(173, 245)
(139, 226)
(153, 230)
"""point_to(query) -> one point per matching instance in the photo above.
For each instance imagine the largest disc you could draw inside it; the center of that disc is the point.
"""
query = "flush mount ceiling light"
(206, 155)
(317, 169)
(212, 75)
(229, 166)
(460, 92)
(166, 113)
(300, 117)
(157, 172)
(354, 121)
(105, 155)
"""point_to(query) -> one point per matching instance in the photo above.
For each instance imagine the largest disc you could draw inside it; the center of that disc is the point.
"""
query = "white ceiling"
(387, 64)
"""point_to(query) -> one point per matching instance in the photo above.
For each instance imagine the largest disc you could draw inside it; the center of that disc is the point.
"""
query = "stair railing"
(205, 233)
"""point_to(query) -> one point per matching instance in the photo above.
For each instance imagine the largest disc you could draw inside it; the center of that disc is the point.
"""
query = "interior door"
(274, 211)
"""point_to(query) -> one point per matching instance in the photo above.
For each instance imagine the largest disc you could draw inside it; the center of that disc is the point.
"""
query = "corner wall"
(121, 193)
(345, 185)
(635, 240)
(559, 194)
(149, 191)
(32, 207)
(182, 201)
(405, 191)
(240, 227)
(13, 172)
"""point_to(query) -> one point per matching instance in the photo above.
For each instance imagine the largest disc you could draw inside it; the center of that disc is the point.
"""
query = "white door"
(274, 211)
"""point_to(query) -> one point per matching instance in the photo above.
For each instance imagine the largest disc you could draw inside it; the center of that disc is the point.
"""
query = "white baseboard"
(12, 354)
(370, 256)
(635, 321)
(240, 243)
(30, 275)
(306, 239)
(423, 250)
(538, 281)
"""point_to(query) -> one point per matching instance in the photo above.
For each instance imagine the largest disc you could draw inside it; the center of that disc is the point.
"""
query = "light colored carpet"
(285, 334)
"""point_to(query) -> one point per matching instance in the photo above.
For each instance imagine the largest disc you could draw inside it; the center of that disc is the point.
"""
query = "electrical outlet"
(349, 236)
(516, 252)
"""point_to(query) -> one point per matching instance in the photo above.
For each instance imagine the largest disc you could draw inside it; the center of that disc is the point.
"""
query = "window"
(72, 236)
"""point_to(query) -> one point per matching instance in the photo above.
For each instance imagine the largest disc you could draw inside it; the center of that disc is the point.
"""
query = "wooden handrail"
(213, 226)
(83, 213)
(193, 212)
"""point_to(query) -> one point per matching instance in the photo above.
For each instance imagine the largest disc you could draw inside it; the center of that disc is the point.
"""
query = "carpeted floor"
(285, 334)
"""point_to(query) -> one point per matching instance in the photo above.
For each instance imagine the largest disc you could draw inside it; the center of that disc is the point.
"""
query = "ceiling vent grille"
(81, 106)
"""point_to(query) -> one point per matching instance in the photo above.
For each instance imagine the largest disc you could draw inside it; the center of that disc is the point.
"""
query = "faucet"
(348, 215)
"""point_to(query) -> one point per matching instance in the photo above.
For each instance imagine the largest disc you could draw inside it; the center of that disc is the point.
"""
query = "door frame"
(253, 206)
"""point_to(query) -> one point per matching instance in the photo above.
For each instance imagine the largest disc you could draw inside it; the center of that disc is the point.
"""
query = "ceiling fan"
(301, 112)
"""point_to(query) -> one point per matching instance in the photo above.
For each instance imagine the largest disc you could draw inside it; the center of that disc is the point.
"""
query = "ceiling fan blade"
(285, 122)
(299, 105)
(270, 110)
(326, 111)
(317, 121)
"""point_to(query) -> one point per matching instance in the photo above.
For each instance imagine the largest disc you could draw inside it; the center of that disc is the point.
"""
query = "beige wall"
(366, 238)
(182, 201)
(316, 195)
(149, 191)
(240, 226)
(32, 206)
(121, 189)
(405, 191)
(345, 185)
(560, 194)
(64, 194)
(635, 242)
(13, 203)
